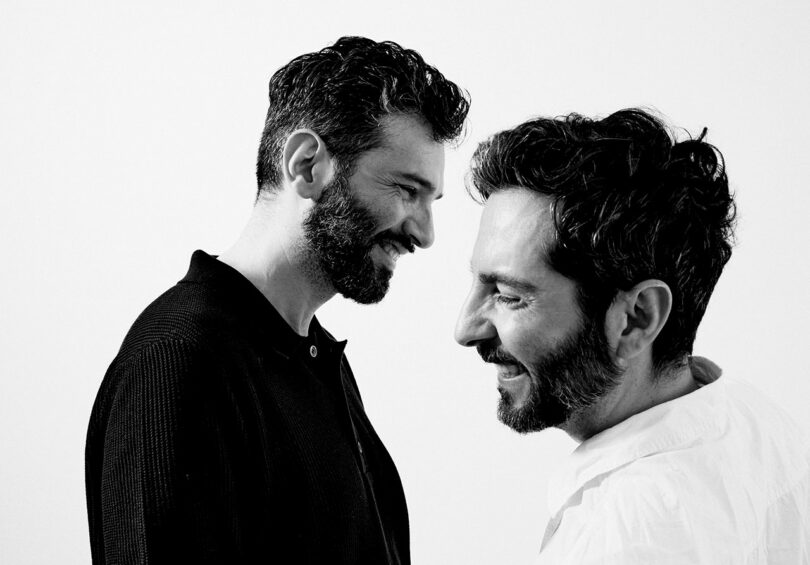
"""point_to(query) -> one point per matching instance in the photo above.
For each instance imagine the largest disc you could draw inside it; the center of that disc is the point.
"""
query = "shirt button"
(313, 351)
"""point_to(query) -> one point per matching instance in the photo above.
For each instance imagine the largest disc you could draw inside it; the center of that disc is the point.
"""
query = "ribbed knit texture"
(217, 438)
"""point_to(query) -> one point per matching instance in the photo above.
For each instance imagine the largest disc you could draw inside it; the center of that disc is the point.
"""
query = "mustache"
(389, 236)
(493, 354)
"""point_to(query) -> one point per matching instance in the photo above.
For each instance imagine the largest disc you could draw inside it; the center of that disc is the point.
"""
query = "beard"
(339, 234)
(564, 381)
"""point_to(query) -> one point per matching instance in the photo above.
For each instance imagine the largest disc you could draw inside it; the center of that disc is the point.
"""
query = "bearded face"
(553, 360)
(340, 234)
(563, 380)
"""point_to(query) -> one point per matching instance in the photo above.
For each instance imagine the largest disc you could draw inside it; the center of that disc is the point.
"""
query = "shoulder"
(188, 316)
(164, 371)
(639, 494)
(643, 513)
(764, 452)
(757, 415)
(708, 486)
(711, 501)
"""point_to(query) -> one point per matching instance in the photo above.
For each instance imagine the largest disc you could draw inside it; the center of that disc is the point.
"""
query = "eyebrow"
(421, 181)
(518, 284)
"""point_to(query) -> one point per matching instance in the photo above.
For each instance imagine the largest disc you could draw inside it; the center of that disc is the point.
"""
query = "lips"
(508, 372)
(491, 353)
(389, 249)
(386, 254)
(399, 242)
(392, 250)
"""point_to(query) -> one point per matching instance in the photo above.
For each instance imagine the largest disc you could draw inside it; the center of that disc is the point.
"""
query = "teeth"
(510, 370)
(391, 250)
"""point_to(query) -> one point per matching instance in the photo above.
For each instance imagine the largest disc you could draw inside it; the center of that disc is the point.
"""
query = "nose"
(473, 326)
(419, 227)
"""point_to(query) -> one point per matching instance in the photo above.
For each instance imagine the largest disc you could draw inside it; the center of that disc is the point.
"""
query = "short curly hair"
(343, 92)
(629, 203)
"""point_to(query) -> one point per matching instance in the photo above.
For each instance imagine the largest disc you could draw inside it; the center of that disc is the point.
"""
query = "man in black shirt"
(229, 427)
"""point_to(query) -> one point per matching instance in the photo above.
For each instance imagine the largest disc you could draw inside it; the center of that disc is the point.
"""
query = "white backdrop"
(128, 134)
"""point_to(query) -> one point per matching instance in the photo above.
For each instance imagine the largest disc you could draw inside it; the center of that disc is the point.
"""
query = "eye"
(506, 300)
(409, 190)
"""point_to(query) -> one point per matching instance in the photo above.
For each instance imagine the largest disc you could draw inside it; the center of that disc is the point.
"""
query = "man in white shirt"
(599, 246)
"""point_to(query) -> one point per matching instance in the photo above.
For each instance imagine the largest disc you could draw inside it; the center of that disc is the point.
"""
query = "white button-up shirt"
(718, 476)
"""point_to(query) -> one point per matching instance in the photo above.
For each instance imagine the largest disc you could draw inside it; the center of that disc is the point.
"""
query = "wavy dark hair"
(629, 203)
(343, 92)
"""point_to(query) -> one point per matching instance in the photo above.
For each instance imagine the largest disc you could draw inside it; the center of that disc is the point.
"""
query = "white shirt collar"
(697, 416)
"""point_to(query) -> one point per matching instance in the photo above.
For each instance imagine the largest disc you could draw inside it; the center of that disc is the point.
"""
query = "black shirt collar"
(263, 319)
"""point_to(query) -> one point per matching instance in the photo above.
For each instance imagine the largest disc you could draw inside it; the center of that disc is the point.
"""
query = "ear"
(307, 165)
(636, 317)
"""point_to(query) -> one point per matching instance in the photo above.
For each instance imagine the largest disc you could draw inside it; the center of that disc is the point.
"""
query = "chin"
(371, 292)
(531, 414)
(519, 417)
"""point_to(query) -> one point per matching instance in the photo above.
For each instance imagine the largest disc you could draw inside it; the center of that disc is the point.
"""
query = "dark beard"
(339, 233)
(565, 381)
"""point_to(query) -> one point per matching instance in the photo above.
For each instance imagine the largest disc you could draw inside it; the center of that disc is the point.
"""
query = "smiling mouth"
(507, 372)
(391, 249)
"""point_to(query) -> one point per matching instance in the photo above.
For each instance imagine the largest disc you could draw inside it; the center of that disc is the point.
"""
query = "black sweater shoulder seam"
(155, 344)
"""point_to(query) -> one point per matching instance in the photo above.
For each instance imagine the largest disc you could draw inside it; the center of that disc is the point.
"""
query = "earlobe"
(645, 309)
(307, 164)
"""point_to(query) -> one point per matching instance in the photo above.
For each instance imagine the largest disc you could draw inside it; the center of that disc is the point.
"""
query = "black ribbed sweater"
(221, 436)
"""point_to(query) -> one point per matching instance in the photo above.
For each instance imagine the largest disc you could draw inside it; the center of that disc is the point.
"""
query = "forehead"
(515, 233)
(407, 149)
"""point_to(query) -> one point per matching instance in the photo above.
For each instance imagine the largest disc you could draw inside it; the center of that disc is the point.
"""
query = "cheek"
(522, 338)
(387, 213)
(530, 336)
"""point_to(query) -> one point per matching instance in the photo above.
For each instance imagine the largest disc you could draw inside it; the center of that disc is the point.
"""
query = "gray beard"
(565, 382)
(339, 235)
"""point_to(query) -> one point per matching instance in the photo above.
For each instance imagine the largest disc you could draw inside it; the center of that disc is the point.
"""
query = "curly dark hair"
(344, 91)
(629, 203)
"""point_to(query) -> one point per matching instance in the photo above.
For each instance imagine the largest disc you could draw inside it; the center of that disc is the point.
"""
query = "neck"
(269, 253)
(638, 390)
